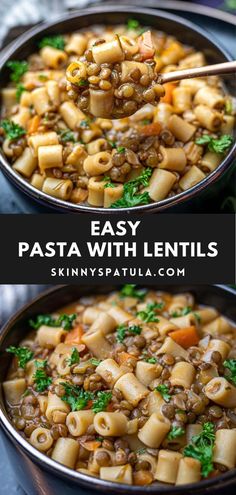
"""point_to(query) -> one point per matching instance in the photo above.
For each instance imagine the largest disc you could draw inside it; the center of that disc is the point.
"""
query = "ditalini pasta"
(129, 386)
(165, 139)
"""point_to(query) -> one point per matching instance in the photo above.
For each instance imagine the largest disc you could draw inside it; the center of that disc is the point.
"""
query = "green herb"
(76, 397)
(151, 360)
(149, 315)
(23, 354)
(145, 121)
(26, 392)
(183, 312)
(41, 379)
(201, 448)
(176, 431)
(120, 149)
(218, 145)
(42, 77)
(131, 197)
(129, 290)
(179, 411)
(13, 131)
(67, 135)
(18, 69)
(133, 24)
(141, 451)
(164, 391)
(64, 321)
(197, 316)
(57, 42)
(123, 329)
(229, 107)
(95, 362)
(85, 123)
(230, 364)
(82, 82)
(112, 143)
(74, 358)
(107, 179)
(19, 90)
(101, 402)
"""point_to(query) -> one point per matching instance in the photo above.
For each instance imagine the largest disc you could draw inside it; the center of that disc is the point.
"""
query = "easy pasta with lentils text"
(134, 387)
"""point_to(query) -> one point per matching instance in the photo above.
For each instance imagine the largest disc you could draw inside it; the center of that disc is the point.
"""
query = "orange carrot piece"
(153, 129)
(75, 335)
(167, 98)
(145, 44)
(92, 445)
(123, 356)
(34, 124)
(142, 478)
(186, 337)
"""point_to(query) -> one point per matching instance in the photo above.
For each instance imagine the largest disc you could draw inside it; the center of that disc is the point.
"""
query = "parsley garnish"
(201, 448)
(197, 316)
(23, 354)
(217, 145)
(176, 431)
(101, 402)
(133, 24)
(131, 197)
(164, 391)
(74, 358)
(149, 314)
(18, 69)
(129, 290)
(230, 364)
(107, 179)
(57, 42)
(64, 321)
(151, 360)
(13, 131)
(85, 123)
(67, 135)
(145, 121)
(141, 451)
(41, 379)
(82, 82)
(112, 143)
(123, 329)
(19, 90)
(76, 397)
(183, 312)
(120, 149)
(95, 362)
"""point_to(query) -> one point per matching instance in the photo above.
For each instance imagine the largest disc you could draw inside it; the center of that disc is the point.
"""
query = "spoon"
(207, 70)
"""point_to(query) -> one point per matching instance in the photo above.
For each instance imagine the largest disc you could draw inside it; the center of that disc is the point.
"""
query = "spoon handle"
(208, 70)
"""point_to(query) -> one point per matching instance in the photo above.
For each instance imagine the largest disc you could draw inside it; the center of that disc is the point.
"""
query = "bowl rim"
(84, 479)
(65, 206)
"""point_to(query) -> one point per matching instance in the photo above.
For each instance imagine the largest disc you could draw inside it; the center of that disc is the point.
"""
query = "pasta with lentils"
(158, 152)
(136, 387)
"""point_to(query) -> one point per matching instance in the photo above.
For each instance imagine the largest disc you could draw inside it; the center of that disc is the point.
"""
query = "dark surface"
(224, 31)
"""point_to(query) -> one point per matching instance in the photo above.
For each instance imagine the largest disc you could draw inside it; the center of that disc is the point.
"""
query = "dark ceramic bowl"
(190, 200)
(40, 475)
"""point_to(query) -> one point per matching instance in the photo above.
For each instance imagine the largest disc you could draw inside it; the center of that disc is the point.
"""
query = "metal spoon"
(207, 70)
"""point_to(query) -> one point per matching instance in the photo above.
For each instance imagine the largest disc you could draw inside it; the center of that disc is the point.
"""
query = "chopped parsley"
(107, 179)
(129, 290)
(74, 358)
(141, 451)
(41, 379)
(175, 432)
(217, 145)
(64, 321)
(19, 90)
(123, 329)
(76, 397)
(85, 123)
(197, 317)
(149, 315)
(183, 312)
(95, 362)
(101, 402)
(120, 149)
(13, 131)
(164, 391)
(18, 69)
(145, 121)
(82, 82)
(67, 135)
(131, 197)
(112, 143)
(230, 364)
(57, 42)
(151, 360)
(133, 24)
(23, 354)
(201, 448)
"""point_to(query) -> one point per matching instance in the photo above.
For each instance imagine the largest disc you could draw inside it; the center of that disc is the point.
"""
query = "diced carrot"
(142, 477)
(110, 407)
(123, 356)
(169, 87)
(145, 44)
(89, 404)
(92, 445)
(34, 124)
(153, 129)
(186, 337)
(75, 335)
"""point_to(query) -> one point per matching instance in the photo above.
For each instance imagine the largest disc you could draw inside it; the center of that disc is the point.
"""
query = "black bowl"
(40, 475)
(193, 199)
